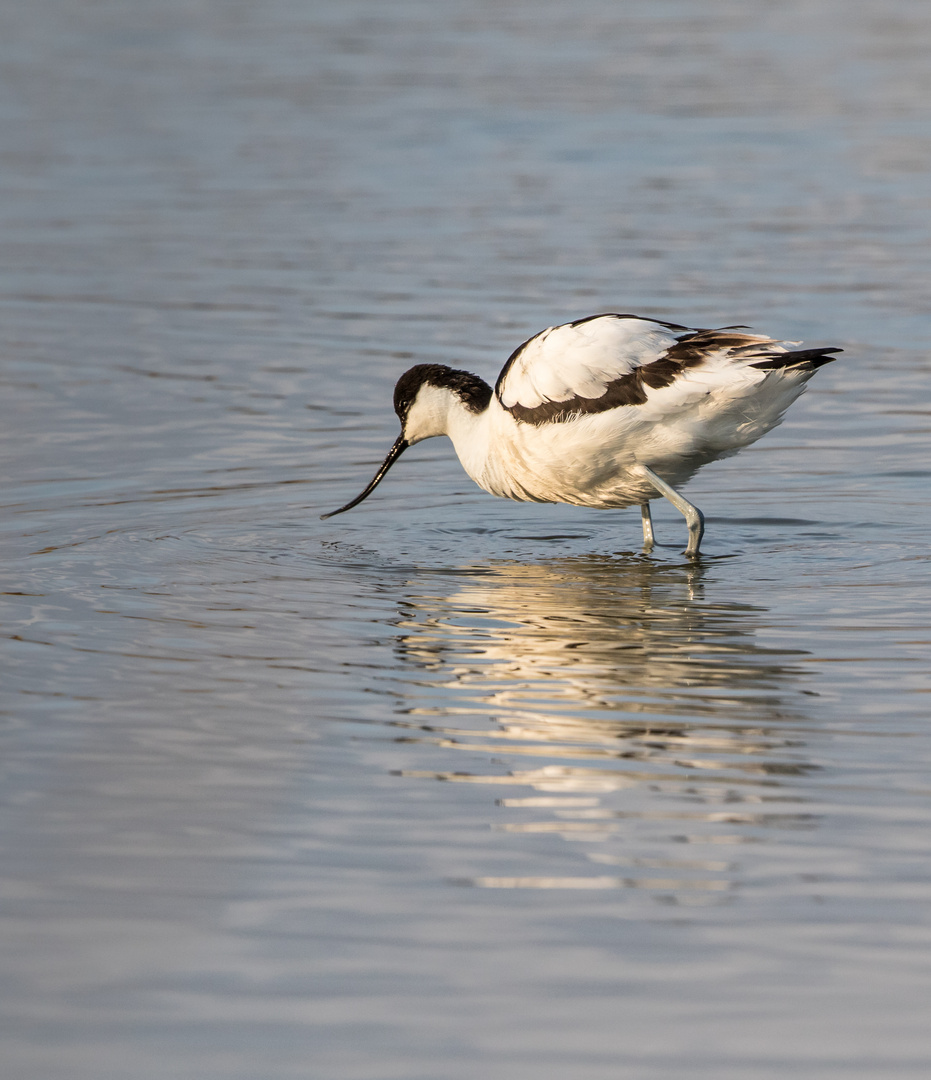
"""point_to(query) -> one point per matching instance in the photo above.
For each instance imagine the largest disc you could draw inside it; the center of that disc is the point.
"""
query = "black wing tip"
(807, 359)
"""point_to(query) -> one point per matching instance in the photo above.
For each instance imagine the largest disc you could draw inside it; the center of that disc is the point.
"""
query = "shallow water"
(449, 786)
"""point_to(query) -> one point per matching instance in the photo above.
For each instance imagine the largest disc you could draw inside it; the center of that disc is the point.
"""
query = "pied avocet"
(608, 411)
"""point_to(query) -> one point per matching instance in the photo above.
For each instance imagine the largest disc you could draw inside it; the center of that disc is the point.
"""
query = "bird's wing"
(608, 361)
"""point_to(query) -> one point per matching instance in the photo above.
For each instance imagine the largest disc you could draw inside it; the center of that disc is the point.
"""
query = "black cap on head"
(473, 392)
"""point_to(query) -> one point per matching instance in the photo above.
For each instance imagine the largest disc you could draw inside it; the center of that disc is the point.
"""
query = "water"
(452, 787)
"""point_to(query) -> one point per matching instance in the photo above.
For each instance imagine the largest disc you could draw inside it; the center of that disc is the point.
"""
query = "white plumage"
(579, 359)
(608, 411)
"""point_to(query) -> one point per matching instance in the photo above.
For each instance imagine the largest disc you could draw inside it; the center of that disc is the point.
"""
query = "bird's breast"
(585, 462)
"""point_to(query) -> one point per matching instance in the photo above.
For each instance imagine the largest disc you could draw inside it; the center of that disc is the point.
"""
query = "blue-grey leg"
(647, 526)
(693, 516)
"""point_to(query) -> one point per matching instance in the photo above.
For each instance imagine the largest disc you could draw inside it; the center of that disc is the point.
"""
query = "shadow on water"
(610, 701)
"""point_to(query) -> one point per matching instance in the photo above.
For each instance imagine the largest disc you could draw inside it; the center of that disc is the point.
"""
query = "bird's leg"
(693, 516)
(647, 526)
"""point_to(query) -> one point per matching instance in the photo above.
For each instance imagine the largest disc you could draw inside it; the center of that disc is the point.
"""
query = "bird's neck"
(473, 435)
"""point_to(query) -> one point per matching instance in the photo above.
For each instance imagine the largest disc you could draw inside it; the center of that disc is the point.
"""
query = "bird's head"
(424, 396)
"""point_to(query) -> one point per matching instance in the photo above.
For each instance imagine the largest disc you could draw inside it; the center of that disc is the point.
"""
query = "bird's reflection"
(611, 701)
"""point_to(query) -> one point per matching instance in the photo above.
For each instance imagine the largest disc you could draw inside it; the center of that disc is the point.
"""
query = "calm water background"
(451, 787)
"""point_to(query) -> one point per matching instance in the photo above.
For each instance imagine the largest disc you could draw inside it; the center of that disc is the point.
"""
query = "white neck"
(432, 413)
(440, 411)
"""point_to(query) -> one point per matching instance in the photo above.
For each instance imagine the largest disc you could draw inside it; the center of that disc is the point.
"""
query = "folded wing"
(614, 361)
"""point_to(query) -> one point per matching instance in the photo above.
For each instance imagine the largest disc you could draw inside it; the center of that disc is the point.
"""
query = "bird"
(610, 411)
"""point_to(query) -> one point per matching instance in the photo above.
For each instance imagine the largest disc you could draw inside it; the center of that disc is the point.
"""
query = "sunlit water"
(450, 787)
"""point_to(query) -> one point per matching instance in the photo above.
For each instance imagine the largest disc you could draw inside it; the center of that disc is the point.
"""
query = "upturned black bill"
(401, 444)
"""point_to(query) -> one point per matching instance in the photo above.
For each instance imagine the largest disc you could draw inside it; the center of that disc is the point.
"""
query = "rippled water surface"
(450, 787)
